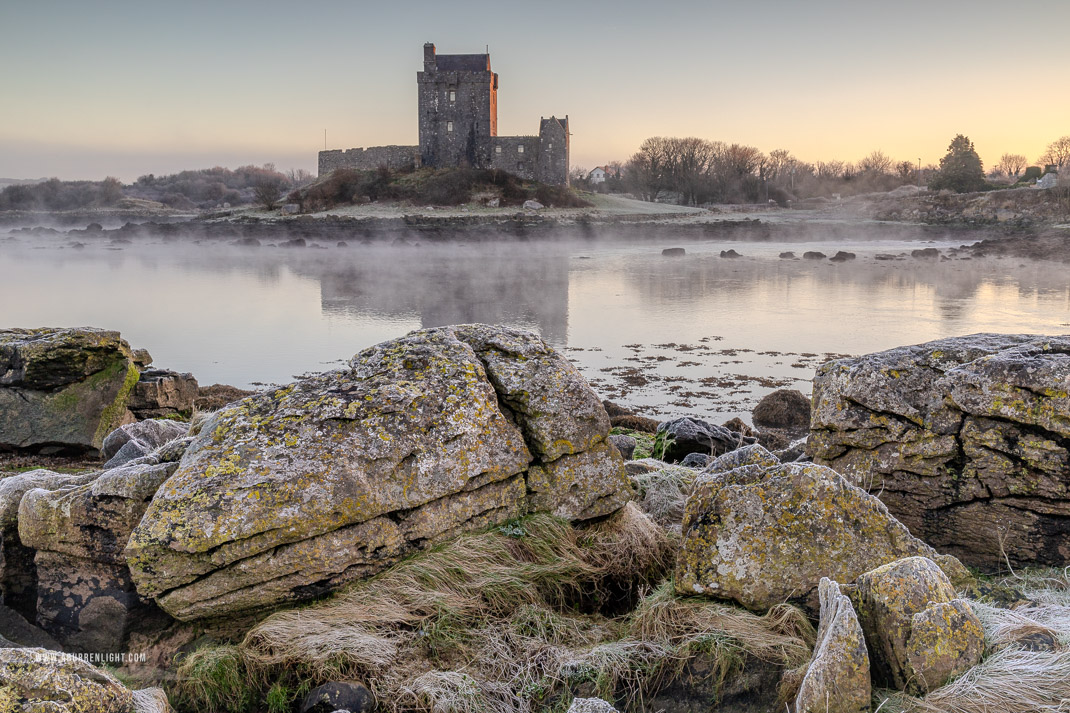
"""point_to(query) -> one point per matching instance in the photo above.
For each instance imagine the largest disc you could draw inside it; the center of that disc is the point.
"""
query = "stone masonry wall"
(369, 159)
(506, 156)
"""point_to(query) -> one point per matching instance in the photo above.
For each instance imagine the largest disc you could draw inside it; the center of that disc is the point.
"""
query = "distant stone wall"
(360, 159)
(505, 155)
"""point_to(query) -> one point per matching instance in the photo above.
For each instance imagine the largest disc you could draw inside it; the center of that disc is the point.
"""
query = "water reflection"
(693, 334)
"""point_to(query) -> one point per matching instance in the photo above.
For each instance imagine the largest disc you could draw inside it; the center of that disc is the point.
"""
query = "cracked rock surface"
(967, 439)
(293, 492)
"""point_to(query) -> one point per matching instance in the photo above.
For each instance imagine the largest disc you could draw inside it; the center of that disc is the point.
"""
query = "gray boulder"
(52, 682)
(966, 438)
(837, 679)
(677, 438)
(918, 634)
(762, 535)
(85, 597)
(18, 571)
(625, 445)
(162, 393)
(294, 492)
(135, 440)
(63, 389)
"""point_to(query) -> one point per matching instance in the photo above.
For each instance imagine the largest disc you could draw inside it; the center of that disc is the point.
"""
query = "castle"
(458, 112)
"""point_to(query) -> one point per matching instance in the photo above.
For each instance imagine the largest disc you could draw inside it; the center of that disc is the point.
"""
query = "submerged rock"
(63, 389)
(968, 440)
(762, 535)
(293, 492)
(919, 635)
(837, 679)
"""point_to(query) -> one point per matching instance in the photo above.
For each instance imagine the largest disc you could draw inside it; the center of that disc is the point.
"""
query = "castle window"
(453, 95)
(449, 126)
(550, 147)
(520, 166)
(520, 149)
(497, 149)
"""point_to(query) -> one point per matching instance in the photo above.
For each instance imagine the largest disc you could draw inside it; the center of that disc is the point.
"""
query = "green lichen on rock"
(761, 535)
(293, 492)
(63, 387)
(837, 679)
(914, 592)
(52, 682)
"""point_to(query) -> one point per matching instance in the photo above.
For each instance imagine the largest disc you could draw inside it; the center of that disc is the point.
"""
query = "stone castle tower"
(458, 122)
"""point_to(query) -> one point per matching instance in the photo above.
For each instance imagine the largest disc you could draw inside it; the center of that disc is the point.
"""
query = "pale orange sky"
(127, 88)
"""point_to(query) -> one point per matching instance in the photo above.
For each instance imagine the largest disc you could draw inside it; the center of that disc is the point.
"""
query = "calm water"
(697, 334)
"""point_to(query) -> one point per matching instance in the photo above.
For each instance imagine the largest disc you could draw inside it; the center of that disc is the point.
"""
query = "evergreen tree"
(961, 169)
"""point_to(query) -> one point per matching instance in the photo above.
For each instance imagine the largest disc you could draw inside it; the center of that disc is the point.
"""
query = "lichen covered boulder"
(763, 535)
(63, 389)
(53, 682)
(291, 493)
(967, 439)
(837, 679)
(919, 634)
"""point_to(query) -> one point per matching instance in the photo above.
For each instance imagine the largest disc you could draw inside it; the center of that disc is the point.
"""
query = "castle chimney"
(429, 56)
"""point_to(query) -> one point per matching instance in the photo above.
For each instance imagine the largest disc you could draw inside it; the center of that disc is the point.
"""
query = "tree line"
(694, 171)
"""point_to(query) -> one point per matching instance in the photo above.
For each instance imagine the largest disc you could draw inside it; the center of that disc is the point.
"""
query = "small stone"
(338, 695)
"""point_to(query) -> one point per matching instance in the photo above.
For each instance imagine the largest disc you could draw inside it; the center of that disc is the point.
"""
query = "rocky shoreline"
(461, 495)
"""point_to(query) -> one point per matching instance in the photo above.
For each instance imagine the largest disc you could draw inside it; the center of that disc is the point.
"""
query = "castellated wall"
(371, 158)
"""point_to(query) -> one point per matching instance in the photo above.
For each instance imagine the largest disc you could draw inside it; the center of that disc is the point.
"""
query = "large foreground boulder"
(63, 389)
(763, 535)
(967, 439)
(291, 493)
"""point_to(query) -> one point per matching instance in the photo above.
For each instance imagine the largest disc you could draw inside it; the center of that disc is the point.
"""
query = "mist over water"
(698, 334)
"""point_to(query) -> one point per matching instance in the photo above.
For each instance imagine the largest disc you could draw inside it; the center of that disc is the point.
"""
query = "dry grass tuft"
(512, 619)
(664, 493)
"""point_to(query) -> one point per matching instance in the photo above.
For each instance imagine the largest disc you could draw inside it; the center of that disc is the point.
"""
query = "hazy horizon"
(124, 89)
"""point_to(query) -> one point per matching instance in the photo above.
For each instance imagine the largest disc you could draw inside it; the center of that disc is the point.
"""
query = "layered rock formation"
(291, 493)
(967, 439)
(63, 389)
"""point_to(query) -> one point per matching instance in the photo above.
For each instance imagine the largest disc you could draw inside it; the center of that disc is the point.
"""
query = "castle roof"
(562, 122)
(463, 62)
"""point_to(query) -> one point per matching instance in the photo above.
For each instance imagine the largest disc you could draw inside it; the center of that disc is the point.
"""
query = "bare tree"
(1057, 153)
(1011, 164)
(875, 162)
(267, 193)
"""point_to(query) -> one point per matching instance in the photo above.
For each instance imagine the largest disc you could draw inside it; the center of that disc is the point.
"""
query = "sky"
(118, 88)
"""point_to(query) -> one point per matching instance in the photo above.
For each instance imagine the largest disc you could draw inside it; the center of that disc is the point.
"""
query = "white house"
(598, 175)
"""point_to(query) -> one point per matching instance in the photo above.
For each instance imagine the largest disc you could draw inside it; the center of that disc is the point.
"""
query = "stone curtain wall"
(509, 159)
(371, 158)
